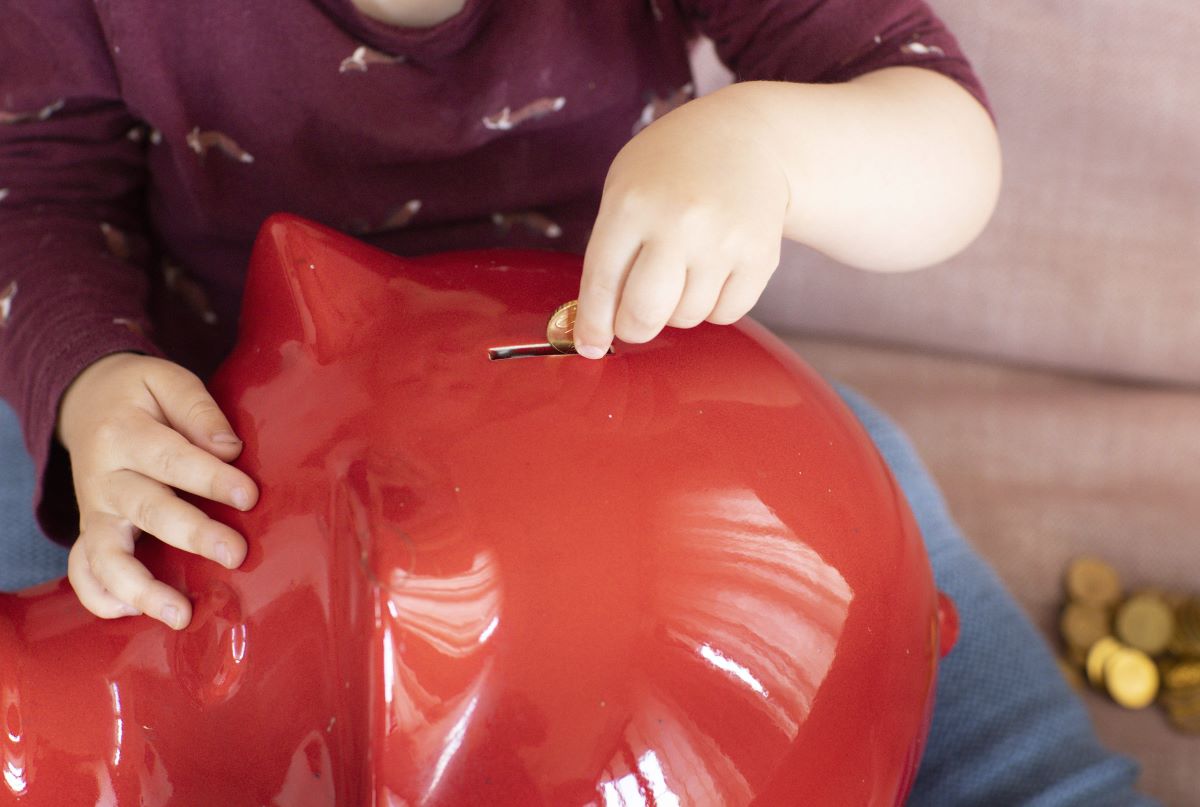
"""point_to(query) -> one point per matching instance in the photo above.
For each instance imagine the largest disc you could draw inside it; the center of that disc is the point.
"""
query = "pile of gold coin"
(1137, 648)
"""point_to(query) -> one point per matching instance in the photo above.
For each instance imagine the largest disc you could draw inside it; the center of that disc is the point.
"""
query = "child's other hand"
(689, 228)
(136, 427)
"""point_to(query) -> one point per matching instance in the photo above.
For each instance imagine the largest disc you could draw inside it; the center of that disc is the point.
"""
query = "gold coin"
(1092, 581)
(1184, 702)
(1101, 651)
(1183, 706)
(1182, 675)
(1187, 619)
(1146, 622)
(1184, 646)
(1131, 678)
(1083, 625)
(560, 330)
(1186, 641)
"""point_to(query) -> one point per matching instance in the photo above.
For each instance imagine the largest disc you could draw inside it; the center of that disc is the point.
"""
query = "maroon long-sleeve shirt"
(142, 143)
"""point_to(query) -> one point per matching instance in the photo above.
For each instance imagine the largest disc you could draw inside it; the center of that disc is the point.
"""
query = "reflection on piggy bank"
(680, 575)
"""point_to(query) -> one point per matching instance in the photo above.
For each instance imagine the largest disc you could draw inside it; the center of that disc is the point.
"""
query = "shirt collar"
(420, 44)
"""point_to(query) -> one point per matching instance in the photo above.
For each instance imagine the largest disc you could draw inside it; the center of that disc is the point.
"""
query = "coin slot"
(525, 351)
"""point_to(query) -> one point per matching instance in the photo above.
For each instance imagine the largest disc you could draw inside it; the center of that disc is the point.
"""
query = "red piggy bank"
(679, 575)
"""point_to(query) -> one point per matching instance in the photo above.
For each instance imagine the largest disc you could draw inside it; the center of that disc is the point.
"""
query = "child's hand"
(136, 427)
(689, 228)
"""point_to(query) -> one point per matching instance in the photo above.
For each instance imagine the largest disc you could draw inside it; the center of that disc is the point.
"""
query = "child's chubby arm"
(138, 427)
(76, 353)
(896, 169)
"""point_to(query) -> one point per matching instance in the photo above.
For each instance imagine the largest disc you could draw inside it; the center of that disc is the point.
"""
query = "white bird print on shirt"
(363, 57)
(200, 142)
(6, 298)
(38, 114)
(506, 119)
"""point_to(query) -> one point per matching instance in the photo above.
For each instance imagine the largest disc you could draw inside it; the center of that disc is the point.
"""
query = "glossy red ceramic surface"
(679, 575)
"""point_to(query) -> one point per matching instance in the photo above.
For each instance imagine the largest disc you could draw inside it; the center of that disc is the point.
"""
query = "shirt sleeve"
(73, 255)
(829, 41)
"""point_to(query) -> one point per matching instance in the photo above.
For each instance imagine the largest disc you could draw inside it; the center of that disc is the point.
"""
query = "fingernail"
(225, 437)
(241, 498)
(224, 556)
(129, 610)
(170, 615)
(590, 351)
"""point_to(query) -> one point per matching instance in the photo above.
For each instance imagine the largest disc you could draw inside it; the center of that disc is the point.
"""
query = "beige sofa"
(1050, 375)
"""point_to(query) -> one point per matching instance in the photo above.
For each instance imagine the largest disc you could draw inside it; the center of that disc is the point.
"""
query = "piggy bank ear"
(314, 285)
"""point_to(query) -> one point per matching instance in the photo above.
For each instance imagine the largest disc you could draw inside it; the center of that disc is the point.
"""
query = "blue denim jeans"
(1007, 730)
(26, 556)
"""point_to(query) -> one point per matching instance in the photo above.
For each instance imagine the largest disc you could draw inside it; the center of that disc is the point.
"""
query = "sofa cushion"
(1092, 261)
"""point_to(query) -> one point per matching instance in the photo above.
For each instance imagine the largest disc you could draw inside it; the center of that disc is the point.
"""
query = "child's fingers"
(651, 292)
(191, 410)
(739, 295)
(163, 454)
(109, 552)
(611, 251)
(701, 291)
(153, 508)
(88, 588)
